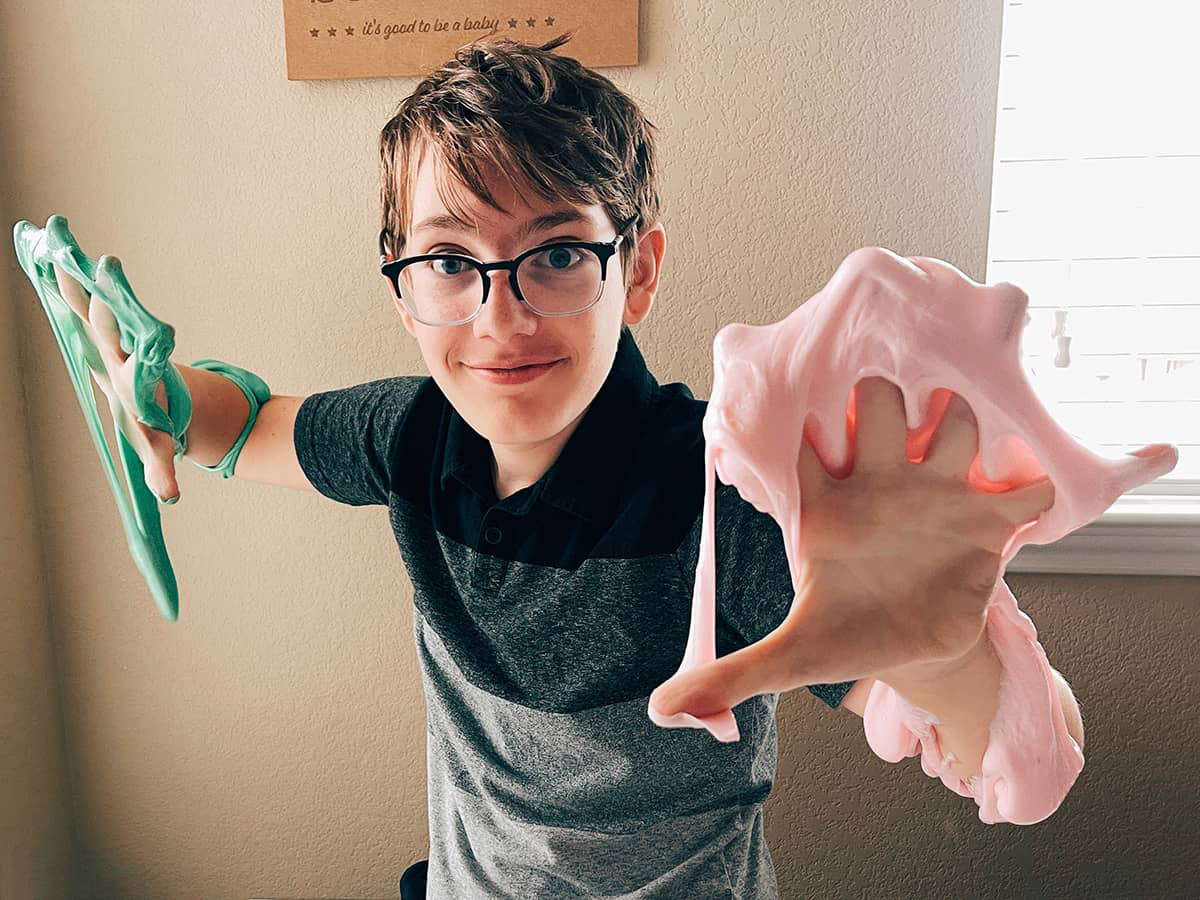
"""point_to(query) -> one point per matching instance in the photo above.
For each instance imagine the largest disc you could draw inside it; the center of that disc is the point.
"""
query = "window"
(1095, 214)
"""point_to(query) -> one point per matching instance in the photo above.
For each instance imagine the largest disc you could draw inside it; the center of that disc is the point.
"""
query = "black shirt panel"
(576, 591)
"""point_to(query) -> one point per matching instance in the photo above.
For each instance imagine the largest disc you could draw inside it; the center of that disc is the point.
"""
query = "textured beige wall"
(271, 742)
(36, 844)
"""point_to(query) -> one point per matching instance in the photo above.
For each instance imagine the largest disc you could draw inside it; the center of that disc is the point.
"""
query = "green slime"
(150, 343)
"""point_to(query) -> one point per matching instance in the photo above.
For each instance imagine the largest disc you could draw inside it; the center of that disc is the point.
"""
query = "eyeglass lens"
(555, 281)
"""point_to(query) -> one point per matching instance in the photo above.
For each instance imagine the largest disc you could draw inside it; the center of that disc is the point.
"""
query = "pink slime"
(923, 325)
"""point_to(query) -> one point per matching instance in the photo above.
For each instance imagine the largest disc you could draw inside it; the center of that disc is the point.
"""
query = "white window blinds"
(1095, 213)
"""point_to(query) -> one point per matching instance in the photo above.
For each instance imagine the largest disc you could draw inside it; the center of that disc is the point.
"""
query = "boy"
(545, 494)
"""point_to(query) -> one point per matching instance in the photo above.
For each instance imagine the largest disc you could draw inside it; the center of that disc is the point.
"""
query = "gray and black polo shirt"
(542, 623)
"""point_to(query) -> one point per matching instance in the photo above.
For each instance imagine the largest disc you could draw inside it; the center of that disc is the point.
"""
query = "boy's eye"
(448, 266)
(556, 257)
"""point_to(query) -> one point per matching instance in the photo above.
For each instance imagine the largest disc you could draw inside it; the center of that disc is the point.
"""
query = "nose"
(504, 315)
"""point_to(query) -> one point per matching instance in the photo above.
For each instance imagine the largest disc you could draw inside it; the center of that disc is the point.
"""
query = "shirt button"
(492, 535)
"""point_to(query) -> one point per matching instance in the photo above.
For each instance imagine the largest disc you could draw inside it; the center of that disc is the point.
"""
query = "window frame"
(1152, 530)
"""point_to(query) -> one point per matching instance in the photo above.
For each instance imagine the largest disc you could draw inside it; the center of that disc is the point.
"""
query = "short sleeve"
(346, 439)
(754, 585)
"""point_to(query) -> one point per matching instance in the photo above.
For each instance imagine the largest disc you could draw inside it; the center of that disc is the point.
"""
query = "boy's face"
(475, 364)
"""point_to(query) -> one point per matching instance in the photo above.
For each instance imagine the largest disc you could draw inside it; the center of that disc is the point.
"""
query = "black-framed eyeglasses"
(558, 278)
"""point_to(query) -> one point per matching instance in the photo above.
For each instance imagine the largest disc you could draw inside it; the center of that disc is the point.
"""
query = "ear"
(647, 266)
(405, 315)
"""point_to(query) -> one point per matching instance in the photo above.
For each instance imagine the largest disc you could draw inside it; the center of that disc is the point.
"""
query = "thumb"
(723, 684)
(156, 451)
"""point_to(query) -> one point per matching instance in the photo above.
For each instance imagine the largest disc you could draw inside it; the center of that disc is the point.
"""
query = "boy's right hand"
(155, 448)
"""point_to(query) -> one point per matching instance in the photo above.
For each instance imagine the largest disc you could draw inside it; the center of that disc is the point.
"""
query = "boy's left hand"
(899, 562)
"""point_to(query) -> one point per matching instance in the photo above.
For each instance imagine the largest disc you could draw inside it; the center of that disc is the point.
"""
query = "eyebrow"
(541, 223)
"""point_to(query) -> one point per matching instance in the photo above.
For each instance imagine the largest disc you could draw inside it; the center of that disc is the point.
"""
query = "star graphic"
(512, 23)
(350, 31)
(333, 32)
(531, 21)
(315, 33)
(549, 20)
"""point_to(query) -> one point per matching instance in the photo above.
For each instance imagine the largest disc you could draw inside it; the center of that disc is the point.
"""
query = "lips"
(518, 363)
(511, 372)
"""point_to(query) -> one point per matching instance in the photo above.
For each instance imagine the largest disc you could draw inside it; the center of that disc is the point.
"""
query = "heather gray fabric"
(542, 623)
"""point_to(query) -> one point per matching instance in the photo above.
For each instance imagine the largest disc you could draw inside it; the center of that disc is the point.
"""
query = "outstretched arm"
(219, 411)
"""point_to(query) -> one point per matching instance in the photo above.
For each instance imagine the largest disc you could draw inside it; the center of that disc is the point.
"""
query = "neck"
(517, 466)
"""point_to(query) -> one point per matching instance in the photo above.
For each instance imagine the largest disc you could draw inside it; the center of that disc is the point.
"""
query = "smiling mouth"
(521, 368)
(515, 374)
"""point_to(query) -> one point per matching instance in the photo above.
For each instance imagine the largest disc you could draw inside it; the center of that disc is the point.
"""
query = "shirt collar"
(585, 477)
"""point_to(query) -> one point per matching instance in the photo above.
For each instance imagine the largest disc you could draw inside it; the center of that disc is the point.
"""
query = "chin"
(525, 415)
(519, 426)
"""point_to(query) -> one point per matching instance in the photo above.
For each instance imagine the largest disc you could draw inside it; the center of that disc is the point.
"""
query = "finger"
(72, 292)
(813, 476)
(106, 330)
(955, 441)
(723, 684)
(1026, 503)
(878, 424)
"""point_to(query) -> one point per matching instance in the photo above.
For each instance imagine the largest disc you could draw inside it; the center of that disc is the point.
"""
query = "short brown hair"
(560, 127)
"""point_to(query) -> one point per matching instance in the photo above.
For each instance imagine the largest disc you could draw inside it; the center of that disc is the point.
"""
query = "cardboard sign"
(374, 38)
